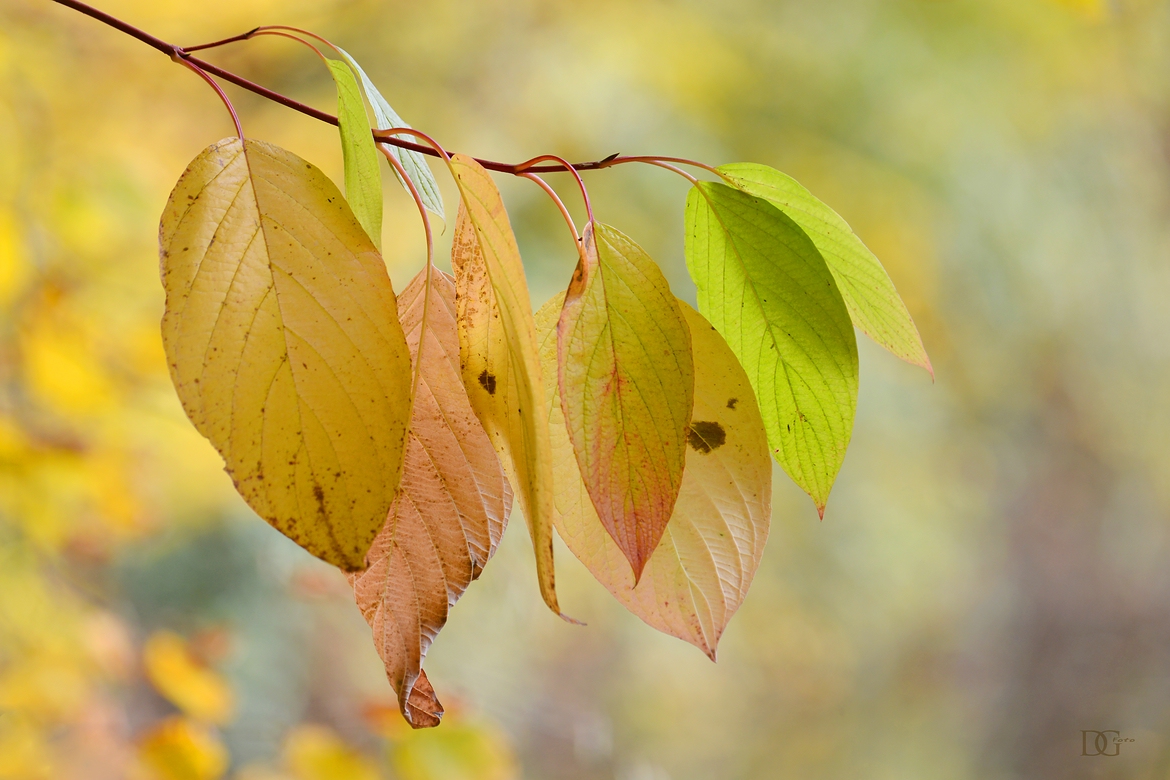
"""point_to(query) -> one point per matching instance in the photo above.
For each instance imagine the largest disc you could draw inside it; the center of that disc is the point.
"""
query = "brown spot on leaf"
(488, 381)
(706, 436)
(319, 494)
(731, 402)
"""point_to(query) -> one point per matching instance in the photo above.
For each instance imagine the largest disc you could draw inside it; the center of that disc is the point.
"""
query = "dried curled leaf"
(501, 365)
(451, 510)
(626, 384)
(283, 340)
(702, 568)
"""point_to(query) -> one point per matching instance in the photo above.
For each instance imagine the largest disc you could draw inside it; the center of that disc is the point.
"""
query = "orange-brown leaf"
(451, 510)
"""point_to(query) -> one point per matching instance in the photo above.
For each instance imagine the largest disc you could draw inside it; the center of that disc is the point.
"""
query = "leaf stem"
(568, 166)
(218, 90)
(560, 204)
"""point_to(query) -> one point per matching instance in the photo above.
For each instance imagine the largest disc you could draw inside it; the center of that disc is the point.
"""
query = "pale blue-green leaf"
(765, 287)
(869, 294)
(413, 163)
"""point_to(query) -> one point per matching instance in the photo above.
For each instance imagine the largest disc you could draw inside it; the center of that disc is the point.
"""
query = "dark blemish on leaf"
(488, 381)
(319, 494)
(731, 402)
(706, 436)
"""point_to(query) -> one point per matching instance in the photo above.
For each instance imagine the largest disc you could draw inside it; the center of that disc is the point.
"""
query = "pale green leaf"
(627, 384)
(869, 294)
(363, 177)
(765, 287)
(413, 163)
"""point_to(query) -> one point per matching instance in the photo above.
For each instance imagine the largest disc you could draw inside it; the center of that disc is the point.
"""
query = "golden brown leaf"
(451, 510)
(283, 342)
(501, 365)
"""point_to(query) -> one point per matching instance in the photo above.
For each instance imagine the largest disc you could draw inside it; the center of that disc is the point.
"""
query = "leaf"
(189, 685)
(701, 570)
(869, 294)
(450, 512)
(179, 749)
(363, 177)
(497, 344)
(282, 336)
(414, 163)
(765, 287)
(626, 384)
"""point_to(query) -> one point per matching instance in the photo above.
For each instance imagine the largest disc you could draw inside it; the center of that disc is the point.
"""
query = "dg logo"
(1100, 743)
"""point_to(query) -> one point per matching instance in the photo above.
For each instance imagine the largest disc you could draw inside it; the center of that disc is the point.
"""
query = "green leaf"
(627, 386)
(873, 303)
(767, 290)
(413, 163)
(363, 177)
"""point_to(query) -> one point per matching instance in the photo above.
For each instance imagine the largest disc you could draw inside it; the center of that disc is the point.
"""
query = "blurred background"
(992, 576)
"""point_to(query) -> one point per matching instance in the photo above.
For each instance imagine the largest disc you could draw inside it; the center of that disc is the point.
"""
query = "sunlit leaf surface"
(765, 287)
(283, 340)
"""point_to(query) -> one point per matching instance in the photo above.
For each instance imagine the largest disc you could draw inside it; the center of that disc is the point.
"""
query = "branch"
(382, 136)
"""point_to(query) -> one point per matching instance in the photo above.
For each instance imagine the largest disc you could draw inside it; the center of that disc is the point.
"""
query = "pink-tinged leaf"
(626, 382)
(702, 568)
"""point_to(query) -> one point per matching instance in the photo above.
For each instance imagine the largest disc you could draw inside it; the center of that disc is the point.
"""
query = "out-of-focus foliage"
(991, 577)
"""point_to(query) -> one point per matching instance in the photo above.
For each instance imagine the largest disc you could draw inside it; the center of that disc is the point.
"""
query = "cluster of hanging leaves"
(390, 434)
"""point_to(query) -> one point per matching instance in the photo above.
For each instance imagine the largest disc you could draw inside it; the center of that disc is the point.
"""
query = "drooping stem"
(560, 204)
(382, 136)
(219, 91)
(429, 269)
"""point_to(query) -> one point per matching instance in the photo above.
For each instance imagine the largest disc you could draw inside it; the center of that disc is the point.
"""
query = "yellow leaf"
(283, 341)
(190, 686)
(626, 385)
(178, 749)
(451, 510)
(700, 572)
(316, 753)
(497, 343)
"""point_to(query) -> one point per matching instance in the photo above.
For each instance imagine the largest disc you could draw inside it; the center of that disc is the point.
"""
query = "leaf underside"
(500, 362)
(700, 571)
(626, 384)
(449, 514)
(874, 305)
(765, 287)
(414, 163)
(282, 336)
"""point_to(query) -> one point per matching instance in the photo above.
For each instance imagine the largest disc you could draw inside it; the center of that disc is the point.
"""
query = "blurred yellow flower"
(189, 685)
